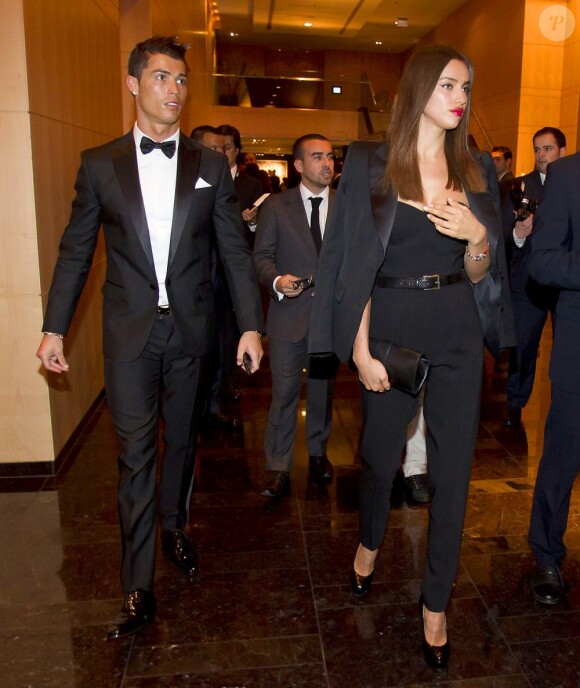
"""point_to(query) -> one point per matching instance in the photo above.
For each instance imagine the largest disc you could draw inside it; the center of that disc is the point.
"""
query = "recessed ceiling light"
(233, 34)
(378, 42)
(307, 23)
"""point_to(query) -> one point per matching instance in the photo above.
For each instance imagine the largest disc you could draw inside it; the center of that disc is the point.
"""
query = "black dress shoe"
(138, 609)
(320, 468)
(547, 584)
(278, 485)
(436, 656)
(513, 418)
(180, 550)
(418, 488)
(360, 585)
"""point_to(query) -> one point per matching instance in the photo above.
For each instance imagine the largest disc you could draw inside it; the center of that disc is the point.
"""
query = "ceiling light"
(378, 42)
(307, 23)
(402, 22)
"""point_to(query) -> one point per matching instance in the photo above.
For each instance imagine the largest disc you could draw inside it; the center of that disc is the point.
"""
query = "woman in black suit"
(411, 254)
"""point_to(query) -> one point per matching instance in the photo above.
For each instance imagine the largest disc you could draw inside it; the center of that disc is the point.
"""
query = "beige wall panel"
(54, 183)
(25, 424)
(110, 9)
(19, 267)
(542, 66)
(339, 127)
(73, 64)
(14, 95)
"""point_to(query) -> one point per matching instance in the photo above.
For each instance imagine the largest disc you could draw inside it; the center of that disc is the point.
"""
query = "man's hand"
(250, 214)
(523, 228)
(51, 353)
(285, 285)
(250, 343)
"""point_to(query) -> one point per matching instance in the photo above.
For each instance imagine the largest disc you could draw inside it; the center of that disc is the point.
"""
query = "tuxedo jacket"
(248, 189)
(555, 261)
(354, 249)
(108, 193)
(284, 245)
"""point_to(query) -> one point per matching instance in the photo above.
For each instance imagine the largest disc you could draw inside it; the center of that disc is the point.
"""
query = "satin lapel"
(125, 163)
(187, 174)
(383, 204)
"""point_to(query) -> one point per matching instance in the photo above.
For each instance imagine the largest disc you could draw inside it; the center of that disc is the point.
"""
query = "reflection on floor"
(272, 606)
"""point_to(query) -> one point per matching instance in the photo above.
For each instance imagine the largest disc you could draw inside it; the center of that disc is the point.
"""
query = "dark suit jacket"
(248, 189)
(555, 261)
(284, 245)
(108, 192)
(354, 250)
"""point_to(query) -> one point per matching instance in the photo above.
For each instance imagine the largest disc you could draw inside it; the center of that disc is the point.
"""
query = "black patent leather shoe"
(513, 418)
(278, 485)
(138, 609)
(360, 585)
(436, 656)
(417, 487)
(547, 584)
(179, 549)
(320, 468)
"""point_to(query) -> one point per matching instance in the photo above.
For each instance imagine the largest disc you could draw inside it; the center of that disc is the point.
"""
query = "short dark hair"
(228, 130)
(556, 133)
(164, 45)
(298, 147)
(507, 152)
(197, 134)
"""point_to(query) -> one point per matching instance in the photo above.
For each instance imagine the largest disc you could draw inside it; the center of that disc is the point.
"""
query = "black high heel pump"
(436, 656)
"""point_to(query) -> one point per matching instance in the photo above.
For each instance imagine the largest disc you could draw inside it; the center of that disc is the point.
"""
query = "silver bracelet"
(53, 334)
(479, 256)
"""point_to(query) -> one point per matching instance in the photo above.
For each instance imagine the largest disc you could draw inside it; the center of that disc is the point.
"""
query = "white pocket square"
(201, 184)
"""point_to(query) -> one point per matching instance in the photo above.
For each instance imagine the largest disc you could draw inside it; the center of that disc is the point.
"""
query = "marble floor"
(271, 606)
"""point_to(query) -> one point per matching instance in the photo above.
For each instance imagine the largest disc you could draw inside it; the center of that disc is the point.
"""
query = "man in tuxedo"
(555, 262)
(159, 197)
(288, 241)
(531, 301)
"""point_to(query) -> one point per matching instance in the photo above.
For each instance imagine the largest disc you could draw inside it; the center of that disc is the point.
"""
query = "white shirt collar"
(138, 135)
(306, 193)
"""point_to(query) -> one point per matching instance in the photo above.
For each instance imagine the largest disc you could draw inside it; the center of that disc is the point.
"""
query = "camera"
(523, 205)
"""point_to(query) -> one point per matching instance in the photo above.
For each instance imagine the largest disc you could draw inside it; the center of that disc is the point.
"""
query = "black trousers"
(530, 315)
(451, 408)
(164, 382)
(559, 466)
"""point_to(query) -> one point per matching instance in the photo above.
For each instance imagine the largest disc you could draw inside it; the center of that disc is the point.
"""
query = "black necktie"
(147, 145)
(315, 221)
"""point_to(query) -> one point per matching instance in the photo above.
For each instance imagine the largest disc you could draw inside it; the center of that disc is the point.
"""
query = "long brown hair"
(419, 80)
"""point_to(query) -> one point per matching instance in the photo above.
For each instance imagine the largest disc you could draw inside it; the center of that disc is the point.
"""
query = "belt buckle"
(437, 282)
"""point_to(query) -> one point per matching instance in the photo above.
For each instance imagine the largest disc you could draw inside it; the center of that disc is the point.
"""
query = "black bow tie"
(147, 145)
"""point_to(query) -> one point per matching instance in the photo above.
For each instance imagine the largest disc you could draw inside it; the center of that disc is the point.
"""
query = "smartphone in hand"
(303, 283)
(247, 363)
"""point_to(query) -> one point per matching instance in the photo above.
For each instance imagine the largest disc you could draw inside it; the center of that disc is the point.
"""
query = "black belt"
(426, 282)
(163, 310)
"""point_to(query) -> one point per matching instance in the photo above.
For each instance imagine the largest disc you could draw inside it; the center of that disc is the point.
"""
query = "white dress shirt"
(157, 175)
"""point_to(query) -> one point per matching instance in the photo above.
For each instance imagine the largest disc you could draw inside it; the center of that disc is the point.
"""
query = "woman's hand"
(456, 220)
(371, 373)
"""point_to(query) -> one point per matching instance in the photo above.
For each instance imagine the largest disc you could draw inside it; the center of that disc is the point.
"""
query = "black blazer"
(555, 261)
(354, 249)
(284, 245)
(108, 193)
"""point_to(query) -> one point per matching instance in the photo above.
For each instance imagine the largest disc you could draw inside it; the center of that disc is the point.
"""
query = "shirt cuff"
(517, 241)
(278, 294)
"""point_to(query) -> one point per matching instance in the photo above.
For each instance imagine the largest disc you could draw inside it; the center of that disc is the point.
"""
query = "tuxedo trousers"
(287, 362)
(162, 383)
(557, 471)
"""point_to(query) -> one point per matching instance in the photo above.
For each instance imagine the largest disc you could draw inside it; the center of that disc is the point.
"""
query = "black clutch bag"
(407, 369)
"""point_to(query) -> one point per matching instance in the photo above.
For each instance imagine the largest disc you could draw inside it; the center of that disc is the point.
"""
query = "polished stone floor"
(272, 606)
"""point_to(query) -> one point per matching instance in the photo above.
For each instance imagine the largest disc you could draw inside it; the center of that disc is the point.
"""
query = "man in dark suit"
(502, 159)
(288, 240)
(555, 262)
(531, 301)
(248, 188)
(159, 197)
